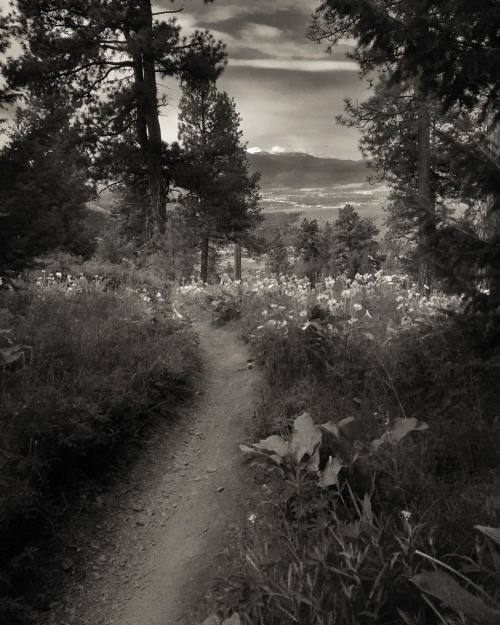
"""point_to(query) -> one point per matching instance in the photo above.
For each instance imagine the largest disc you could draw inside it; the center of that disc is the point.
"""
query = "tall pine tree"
(221, 196)
(446, 53)
(105, 56)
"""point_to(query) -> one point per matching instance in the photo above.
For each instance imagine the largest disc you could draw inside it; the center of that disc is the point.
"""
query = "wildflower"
(357, 307)
(252, 517)
(264, 313)
(58, 274)
(303, 313)
(406, 515)
(346, 293)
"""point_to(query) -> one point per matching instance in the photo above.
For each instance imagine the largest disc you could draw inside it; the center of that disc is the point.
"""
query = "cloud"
(277, 149)
(225, 10)
(255, 150)
(256, 32)
(297, 65)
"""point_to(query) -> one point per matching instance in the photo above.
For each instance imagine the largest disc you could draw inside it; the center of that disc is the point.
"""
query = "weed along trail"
(170, 533)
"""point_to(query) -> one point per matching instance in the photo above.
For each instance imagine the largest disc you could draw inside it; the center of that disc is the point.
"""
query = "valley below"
(323, 203)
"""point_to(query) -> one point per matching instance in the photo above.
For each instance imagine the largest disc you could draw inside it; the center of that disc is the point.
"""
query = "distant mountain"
(298, 170)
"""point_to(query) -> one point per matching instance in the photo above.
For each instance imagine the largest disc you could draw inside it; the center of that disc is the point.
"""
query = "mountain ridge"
(301, 170)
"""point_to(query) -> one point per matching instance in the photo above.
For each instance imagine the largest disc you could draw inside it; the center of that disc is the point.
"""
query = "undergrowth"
(86, 365)
(396, 530)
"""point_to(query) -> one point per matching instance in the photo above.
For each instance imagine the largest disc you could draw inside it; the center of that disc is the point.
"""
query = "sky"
(287, 89)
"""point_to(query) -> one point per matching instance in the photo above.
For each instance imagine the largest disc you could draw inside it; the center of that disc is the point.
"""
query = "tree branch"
(168, 12)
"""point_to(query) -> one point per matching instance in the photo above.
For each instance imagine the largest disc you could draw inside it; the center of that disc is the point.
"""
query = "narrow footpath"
(166, 533)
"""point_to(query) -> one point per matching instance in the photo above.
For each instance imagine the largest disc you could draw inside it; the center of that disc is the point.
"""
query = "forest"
(323, 391)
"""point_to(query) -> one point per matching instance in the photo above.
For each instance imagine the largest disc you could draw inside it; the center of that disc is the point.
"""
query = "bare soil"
(160, 538)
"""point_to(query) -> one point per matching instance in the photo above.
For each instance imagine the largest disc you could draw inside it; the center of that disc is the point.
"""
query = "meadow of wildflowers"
(367, 303)
(350, 534)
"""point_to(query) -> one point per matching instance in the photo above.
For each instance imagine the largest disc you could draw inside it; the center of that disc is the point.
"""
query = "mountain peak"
(299, 169)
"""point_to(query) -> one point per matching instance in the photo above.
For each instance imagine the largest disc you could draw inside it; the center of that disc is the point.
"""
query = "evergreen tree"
(277, 256)
(221, 196)
(444, 54)
(4, 45)
(43, 188)
(449, 47)
(307, 249)
(105, 56)
(356, 250)
(389, 122)
(327, 244)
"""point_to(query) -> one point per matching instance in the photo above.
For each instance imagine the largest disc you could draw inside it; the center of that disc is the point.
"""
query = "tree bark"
(204, 260)
(237, 261)
(148, 121)
(424, 148)
(425, 196)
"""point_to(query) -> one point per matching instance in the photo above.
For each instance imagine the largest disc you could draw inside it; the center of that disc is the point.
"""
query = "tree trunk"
(204, 260)
(425, 196)
(237, 261)
(148, 122)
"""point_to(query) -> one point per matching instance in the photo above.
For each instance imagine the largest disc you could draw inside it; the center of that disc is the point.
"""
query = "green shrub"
(99, 365)
(346, 555)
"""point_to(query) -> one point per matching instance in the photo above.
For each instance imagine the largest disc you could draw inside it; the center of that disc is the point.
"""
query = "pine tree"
(277, 256)
(327, 249)
(449, 47)
(43, 188)
(356, 250)
(105, 56)
(221, 196)
(4, 45)
(446, 53)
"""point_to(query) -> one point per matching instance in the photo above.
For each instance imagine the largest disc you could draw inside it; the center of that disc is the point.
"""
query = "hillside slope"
(298, 170)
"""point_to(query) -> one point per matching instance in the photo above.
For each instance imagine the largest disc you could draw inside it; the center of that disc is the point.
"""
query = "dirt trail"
(163, 539)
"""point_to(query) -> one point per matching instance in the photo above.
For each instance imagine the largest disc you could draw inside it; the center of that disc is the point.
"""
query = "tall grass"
(98, 364)
(353, 553)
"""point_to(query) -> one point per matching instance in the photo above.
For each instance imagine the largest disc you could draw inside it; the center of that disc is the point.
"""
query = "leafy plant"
(306, 441)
